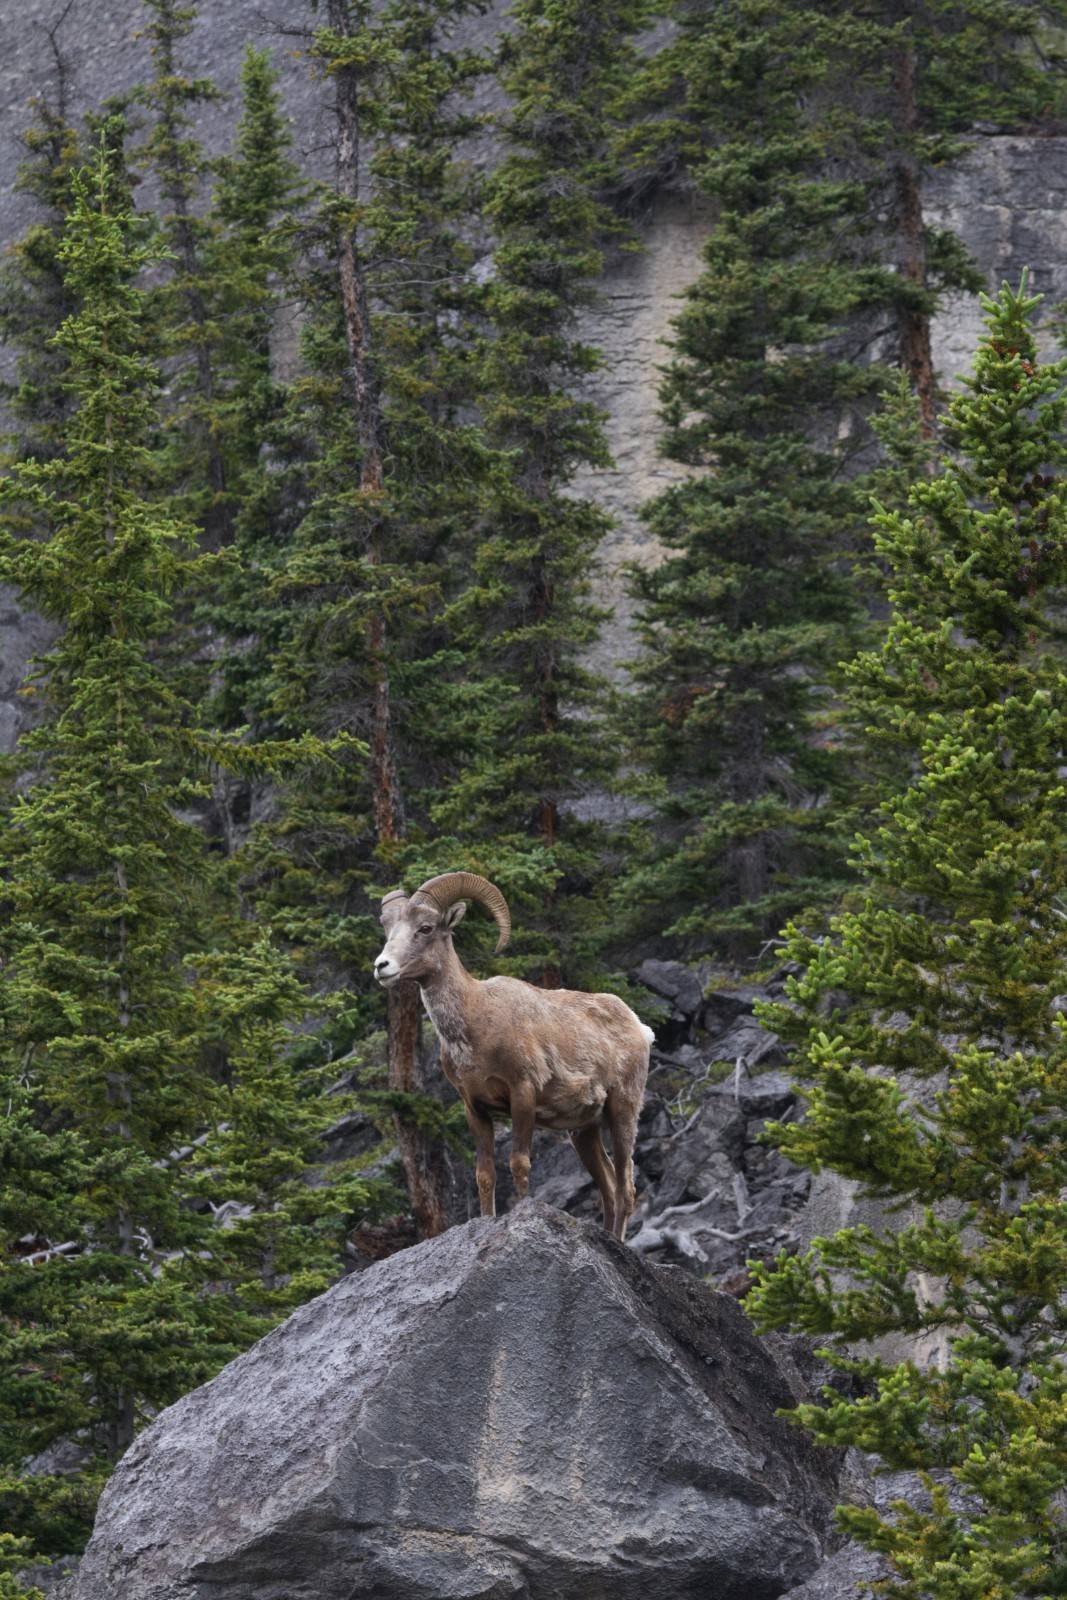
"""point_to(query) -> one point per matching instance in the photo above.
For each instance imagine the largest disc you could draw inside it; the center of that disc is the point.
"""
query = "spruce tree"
(15, 1555)
(933, 71)
(217, 306)
(764, 401)
(32, 294)
(374, 469)
(255, 192)
(245, 257)
(99, 877)
(929, 1025)
(116, 1294)
(280, 1238)
(247, 261)
(528, 716)
(809, 128)
(187, 307)
(906, 87)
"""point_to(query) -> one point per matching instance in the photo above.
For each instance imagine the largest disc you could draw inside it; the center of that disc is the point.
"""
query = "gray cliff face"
(518, 1408)
(1005, 199)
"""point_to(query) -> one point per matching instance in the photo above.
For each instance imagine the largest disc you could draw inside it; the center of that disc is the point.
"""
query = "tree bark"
(750, 865)
(422, 1155)
(547, 821)
(121, 1426)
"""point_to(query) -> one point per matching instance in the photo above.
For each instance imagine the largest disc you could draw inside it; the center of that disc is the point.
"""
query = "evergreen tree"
(930, 1034)
(742, 622)
(32, 294)
(114, 1023)
(255, 193)
(809, 128)
(247, 258)
(187, 304)
(905, 86)
(15, 1554)
(528, 716)
(933, 70)
(216, 307)
(373, 471)
(280, 1239)
(98, 884)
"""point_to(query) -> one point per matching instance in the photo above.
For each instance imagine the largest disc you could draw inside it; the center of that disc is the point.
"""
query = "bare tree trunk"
(915, 351)
(421, 1154)
(548, 711)
(751, 868)
(120, 1429)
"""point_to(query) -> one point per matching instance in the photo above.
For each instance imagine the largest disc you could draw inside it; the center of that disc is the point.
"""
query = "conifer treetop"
(931, 1039)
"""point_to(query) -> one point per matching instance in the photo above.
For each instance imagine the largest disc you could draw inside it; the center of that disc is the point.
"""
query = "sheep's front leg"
(523, 1113)
(485, 1159)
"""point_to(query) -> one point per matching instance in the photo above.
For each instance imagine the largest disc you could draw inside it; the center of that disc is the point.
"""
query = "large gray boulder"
(520, 1408)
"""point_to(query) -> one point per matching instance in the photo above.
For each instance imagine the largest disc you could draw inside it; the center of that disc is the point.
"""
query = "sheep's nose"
(380, 965)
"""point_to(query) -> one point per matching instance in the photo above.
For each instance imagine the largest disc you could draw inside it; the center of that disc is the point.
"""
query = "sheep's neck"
(445, 995)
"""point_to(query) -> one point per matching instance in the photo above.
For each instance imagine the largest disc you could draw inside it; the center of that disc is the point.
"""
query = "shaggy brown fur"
(546, 1058)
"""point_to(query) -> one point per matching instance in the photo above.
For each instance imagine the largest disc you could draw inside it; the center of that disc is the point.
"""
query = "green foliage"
(732, 724)
(809, 128)
(375, 469)
(528, 711)
(922, 76)
(33, 299)
(139, 1074)
(281, 1237)
(990, 61)
(938, 1079)
(14, 1555)
(247, 260)
(403, 617)
(245, 257)
(189, 307)
(102, 886)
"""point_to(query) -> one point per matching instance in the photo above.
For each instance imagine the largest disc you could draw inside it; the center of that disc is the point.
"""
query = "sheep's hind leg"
(523, 1115)
(590, 1147)
(622, 1120)
(485, 1158)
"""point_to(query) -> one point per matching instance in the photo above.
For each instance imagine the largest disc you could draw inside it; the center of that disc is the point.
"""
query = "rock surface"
(52, 1580)
(846, 1573)
(519, 1408)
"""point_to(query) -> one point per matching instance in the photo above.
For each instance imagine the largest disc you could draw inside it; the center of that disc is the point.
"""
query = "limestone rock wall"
(631, 325)
(1007, 200)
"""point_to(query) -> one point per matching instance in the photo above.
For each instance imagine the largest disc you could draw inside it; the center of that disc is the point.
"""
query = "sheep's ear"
(453, 915)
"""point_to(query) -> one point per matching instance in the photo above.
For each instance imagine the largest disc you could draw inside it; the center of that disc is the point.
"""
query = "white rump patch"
(647, 1031)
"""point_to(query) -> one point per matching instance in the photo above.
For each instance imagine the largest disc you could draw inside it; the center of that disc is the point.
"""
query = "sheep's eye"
(426, 928)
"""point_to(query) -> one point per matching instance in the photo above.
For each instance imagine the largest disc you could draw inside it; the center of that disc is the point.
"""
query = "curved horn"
(449, 887)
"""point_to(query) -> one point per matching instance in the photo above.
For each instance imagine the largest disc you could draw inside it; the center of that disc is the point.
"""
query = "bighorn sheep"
(548, 1058)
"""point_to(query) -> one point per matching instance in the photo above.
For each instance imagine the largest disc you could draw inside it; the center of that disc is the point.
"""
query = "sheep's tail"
(647, 1031)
